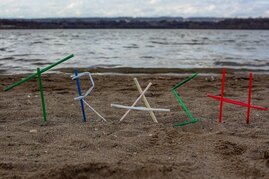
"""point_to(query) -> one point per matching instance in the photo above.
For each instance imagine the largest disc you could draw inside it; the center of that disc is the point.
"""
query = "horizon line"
(235, 17)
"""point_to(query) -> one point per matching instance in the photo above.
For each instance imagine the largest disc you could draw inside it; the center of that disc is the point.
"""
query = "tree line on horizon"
(136, 23)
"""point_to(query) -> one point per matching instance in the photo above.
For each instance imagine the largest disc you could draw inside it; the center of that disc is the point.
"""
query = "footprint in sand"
(228, 148)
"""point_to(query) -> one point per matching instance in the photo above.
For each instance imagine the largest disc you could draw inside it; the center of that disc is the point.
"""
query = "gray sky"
(134, 8)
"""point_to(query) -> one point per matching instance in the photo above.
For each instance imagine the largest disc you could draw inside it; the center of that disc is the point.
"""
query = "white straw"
(136, 101)
(92, 82)
(94, 110)
(145, 100)
(139, 108)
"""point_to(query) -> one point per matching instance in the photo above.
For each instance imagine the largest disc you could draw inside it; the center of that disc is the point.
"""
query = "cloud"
(135, 8)
(266, 14)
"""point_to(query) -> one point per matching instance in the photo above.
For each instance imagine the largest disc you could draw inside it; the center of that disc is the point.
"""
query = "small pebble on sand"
(33, 131)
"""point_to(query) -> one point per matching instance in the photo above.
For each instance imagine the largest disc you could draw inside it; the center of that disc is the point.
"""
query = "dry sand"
(136, 148)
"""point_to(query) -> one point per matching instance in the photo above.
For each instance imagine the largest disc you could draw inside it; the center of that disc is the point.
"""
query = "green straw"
(192, 119)
(41, 71)
(185, 81)
(42, 95)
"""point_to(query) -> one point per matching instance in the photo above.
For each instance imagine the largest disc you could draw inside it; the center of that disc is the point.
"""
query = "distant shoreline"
(128, 29)
(137, 23)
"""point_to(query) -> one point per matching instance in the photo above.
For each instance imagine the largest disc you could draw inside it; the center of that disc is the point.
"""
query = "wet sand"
(137, 147)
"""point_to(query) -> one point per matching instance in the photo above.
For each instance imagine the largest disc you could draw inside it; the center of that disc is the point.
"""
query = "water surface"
(22, 51)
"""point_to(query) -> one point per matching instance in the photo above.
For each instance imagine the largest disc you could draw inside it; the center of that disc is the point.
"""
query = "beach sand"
(137, 147)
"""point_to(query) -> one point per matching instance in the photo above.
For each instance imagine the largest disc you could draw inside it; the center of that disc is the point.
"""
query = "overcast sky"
(134, 8)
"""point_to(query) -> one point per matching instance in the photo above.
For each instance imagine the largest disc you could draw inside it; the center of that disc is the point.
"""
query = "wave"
(177, 43)
(36, 42)
(41, 63)
(161, 43)
(7, 58)
(3, 49)
(147, 57)
(131, 46)
(235, 64)
(29, 60)
(105, 66)
(22, 55)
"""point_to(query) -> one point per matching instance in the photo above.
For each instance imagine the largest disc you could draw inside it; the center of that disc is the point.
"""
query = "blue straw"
(80, 94)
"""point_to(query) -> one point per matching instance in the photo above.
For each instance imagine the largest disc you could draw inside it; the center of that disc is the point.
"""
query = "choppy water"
(21, 51)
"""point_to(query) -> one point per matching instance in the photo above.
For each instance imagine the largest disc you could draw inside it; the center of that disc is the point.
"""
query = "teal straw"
(41, 71)
(192, 119)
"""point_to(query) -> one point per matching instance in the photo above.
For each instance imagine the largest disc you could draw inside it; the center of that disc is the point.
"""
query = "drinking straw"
(145, 90)
(35, 74)
(221, 95)
(81, 97)
(237, 102)
(92, 82)
(187, 122)
(185, 81)
(145, 100)
(183, 105)
(192, 119)
(248, 105)
(140, 108)
(42, 95)
(249, 97)
(94, 110)
(79, 93)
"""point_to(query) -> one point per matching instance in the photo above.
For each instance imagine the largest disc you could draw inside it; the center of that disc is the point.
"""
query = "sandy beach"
(137, 147)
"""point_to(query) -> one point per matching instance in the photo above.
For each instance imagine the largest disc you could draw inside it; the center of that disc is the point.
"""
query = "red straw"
(249, 97)
(239, 103)
(221, 95)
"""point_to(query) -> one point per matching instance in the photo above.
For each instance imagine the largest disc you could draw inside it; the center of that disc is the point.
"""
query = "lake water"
(22, 51)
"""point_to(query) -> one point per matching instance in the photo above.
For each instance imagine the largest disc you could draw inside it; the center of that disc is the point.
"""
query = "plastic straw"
(236, 102)
(140, 108)
(186, 123)
(145, 100)
(94, 110)
(74, 77)
(35, 74)
(192, 119)
(127, 112)
(248, 105)
(81, 97)
(185, 81)
(42, 95)
(221, 95)
(249, 97)
(79, 93)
